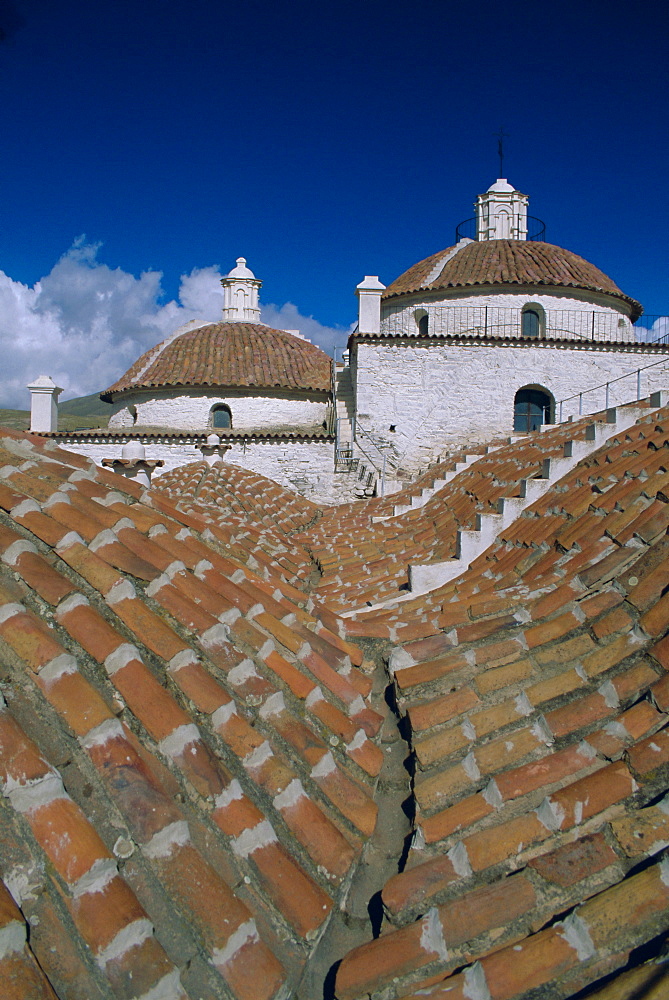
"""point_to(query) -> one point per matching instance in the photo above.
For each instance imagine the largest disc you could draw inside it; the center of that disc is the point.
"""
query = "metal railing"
(344, 449)
(507, 323)
(379, 461)
(332, 422)
(609, 396)
(650, 329)
(536, 229)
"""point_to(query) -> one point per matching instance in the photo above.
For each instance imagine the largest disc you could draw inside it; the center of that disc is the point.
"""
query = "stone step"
(429, 491)
(471, 543)
(425, 577)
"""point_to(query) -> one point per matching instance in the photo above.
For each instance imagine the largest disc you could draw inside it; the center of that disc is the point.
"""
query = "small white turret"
(240, 290)
(44, 395)
(133, 451)
(133, 463)
(369, 294)
(501, 213)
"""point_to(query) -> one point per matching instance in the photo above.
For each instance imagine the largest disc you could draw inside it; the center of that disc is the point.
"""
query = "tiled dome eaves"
(508, 262)
(121, 434)
(247, 355)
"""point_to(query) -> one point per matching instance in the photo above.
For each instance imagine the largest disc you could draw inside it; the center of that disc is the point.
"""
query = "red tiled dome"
(507, 262)
(229, 354)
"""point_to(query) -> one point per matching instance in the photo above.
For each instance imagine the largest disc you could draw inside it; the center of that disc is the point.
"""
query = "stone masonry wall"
(444, 394)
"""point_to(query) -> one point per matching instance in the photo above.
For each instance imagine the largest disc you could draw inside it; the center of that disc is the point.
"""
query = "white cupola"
(240, 290)
(501, 213)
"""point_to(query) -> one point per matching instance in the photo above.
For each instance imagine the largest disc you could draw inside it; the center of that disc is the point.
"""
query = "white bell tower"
(501, 213)
(240, 291)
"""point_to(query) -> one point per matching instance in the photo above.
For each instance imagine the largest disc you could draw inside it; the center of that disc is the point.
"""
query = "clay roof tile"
(507, 262)
(244, 355)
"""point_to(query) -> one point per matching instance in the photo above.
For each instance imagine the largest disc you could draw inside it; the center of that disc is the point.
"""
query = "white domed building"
(260, 397)
(489, 336)
(234, 375)
(499, 333)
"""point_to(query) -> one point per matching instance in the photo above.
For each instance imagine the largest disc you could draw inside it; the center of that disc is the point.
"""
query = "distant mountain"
(89, 406)
(18, 420)
(83, 411)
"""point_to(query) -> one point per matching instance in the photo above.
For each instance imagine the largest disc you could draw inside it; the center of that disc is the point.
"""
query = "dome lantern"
(240, 290)
(501, 213)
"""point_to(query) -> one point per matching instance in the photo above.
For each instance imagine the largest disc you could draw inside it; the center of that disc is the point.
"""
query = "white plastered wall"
(442, 395)
(570, 316)
(305, 467)
(183, 410)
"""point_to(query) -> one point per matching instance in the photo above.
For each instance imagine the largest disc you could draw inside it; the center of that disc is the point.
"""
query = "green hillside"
(73, 414)
(89, 406)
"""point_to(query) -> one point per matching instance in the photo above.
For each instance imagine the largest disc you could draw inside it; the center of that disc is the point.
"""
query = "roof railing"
(527, 323)
(536, 229)
(613, 396)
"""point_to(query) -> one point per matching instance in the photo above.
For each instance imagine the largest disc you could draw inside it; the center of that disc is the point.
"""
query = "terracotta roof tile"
(245, 762)
(230, 354)
(22, 976)
(507, 262)
(381, 962)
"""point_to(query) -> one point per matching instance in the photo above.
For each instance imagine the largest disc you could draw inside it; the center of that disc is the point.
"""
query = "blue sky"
(321, 140)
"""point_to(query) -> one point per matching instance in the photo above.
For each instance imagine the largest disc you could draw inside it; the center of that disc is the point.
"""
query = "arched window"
(532, 321)
(503, 221)
(221, 417)
(531, 409)
(422, 323)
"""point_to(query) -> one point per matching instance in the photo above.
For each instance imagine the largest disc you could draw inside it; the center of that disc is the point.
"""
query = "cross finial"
(501, 136)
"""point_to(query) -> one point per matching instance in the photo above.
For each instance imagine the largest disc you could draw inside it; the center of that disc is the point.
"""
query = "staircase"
(345, 418)
(429, 491)
(363, 476)
(351, 455)
(472, 542)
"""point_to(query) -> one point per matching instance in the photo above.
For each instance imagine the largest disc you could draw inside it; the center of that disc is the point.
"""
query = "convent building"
(499, 333)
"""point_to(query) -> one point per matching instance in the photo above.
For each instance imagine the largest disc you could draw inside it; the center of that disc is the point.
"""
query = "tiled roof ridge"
(540, 723)
(117, 611)
(182, 665)
(229, 354)
(224, 492)
(507, 262)
(376, 540)
(443, 259)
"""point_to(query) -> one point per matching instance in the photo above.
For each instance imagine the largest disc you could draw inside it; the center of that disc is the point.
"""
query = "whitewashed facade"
(438, 362)
(420, 398)
(302, 464)
(193, 410)
(442, 359)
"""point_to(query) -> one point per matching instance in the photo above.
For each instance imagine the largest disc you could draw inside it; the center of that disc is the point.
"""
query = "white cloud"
(86, 323)
(659, 330)
(288, 317)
